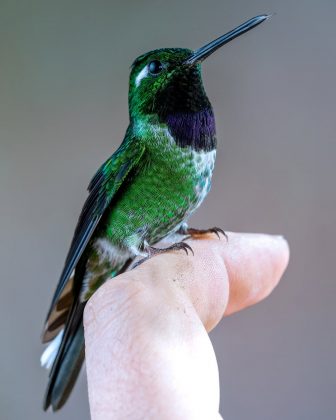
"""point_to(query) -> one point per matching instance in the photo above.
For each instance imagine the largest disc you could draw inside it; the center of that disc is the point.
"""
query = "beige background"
(63, 109)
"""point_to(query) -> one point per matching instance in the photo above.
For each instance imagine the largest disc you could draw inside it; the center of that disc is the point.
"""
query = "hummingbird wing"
(102, 188)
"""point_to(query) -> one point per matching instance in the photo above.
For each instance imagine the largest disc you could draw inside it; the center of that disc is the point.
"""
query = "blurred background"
(63, 109)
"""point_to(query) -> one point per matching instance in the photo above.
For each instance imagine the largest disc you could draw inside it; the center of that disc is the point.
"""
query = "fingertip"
(255, 263)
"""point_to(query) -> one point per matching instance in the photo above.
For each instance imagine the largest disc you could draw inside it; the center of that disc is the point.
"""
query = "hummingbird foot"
(152, 251)
(194, 233)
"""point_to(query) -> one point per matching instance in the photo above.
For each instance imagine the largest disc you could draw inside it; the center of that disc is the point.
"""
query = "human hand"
(148, 354)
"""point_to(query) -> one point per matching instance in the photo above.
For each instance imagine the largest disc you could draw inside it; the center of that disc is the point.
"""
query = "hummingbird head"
(166, 84)
(162, 83)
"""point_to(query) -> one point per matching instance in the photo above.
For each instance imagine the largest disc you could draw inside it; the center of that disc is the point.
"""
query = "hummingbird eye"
(155, 67)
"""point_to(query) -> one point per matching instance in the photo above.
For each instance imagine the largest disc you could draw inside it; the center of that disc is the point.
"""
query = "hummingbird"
(144, 193)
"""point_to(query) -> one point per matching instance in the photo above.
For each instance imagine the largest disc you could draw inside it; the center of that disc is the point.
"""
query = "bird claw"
(217, 231)
(181, 246)
(196, 232)
(156, 251)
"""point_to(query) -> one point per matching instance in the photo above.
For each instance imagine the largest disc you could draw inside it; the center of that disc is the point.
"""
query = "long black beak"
(204, 52)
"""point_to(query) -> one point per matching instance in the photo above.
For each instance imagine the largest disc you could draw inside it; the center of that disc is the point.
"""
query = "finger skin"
(147, 351)
(255, 264)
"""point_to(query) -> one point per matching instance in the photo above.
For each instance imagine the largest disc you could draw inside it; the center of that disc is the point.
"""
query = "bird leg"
(192, 233)
(152, 251)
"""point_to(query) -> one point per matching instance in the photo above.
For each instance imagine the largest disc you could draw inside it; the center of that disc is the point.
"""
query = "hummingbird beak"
(202, 53)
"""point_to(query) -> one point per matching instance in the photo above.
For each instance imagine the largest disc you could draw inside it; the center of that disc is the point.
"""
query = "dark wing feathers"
(102, 188)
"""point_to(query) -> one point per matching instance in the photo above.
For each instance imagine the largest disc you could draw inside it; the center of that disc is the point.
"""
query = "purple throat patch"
(195, 129)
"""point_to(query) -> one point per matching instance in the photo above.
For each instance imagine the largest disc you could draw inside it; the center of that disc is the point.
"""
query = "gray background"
(63, 109)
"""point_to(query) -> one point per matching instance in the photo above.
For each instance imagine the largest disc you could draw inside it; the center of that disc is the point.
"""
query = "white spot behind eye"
(141, 75)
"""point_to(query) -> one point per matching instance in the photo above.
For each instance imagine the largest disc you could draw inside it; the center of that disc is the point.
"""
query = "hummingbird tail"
(66, 356)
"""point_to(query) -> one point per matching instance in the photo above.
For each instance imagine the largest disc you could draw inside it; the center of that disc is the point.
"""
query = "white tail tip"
(49, 355)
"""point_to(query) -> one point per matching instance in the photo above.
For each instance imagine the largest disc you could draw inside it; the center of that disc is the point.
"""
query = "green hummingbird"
(143, 193)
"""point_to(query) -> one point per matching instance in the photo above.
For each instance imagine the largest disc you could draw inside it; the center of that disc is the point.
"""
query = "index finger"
(222, 277)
